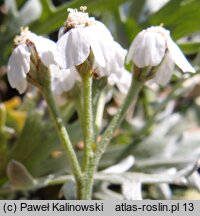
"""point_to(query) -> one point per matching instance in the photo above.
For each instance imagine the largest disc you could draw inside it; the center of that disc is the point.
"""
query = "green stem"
(176, 92)
(87, 183)
(87, 119)
(64, 137)
(99, 113)
(132, 96)
(91, 161)
(79, 109)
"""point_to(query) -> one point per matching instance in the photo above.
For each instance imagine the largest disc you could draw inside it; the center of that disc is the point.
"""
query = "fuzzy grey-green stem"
(99, 112)
(176, 92)
(132, 96)
(87, 182)
(88, 175)
(79, 109)
(64, 137)
(41, 78)
(87, 119)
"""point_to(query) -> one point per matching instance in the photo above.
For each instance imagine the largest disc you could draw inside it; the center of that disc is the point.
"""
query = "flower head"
(153, 47)
(19, 63)
(81, 35)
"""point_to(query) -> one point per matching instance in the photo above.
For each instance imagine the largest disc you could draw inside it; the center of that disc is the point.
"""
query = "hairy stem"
(132, 96)
(87, 183)
(64, 137)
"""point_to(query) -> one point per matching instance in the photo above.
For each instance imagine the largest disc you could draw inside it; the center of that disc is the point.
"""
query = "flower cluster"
(87, 53)
(82, 37)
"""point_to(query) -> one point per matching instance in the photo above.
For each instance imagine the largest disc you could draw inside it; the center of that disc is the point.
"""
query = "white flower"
(79, 36)
(19, 61)
(82, 34)
(154, 47)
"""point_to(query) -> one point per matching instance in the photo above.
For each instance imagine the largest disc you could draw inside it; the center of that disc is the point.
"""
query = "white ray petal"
(96, 45)
(18, 67)
(101, 43)
(46, 49)
(178, 57)
(165, 70)
(61, 32)
(72, 48)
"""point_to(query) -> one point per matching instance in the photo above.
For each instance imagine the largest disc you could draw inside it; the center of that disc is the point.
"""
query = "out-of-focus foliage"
(163, 133)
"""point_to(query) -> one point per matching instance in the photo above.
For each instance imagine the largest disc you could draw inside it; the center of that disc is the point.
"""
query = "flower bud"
(86, 43)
